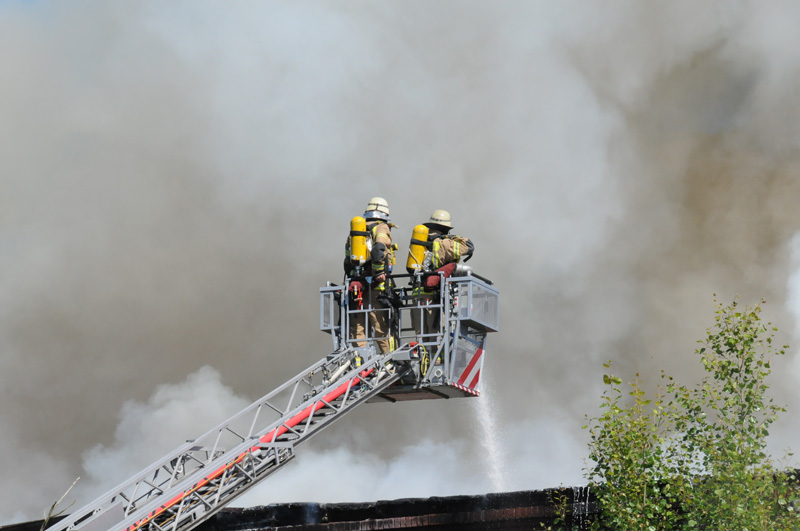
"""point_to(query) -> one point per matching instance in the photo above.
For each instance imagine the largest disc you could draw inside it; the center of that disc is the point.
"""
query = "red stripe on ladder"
(268, 438)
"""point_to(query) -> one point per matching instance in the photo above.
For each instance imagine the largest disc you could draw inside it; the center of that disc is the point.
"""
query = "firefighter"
(442, 251)
(369, 258)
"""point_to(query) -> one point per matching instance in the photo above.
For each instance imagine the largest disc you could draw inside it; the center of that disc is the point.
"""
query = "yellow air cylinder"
(358, 241)
(416, 249)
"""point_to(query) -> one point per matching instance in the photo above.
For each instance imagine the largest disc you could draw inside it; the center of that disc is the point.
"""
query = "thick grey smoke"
(177, 181)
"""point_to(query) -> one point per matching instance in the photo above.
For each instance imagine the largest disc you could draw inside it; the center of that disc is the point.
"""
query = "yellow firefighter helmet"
(377, 208)
(441, 218)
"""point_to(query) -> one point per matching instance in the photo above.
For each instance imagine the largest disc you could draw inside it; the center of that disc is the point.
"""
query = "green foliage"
(630, 446)
(695, 458)
(563, 518)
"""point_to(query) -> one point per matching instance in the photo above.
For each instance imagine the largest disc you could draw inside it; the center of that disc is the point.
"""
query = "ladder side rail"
(223, 464)
(177, 466)
(123, 490)
(239, 489)
(384, 383)
(92, 510)
(234, 491)
(350, 399)
(356, 400)
(246, 445)
(320, 398)
(200, 479)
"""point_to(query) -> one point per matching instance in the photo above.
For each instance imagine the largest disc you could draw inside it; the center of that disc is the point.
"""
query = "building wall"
(511, 511)
(504, 511)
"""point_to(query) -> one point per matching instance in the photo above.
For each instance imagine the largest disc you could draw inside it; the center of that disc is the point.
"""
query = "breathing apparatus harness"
(363, 251)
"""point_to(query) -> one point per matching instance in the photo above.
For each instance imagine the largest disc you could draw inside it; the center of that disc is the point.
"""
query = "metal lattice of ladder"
(189, 485)
(192, 483)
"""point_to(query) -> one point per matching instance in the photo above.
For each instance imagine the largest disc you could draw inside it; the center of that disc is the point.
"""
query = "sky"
(178, 178)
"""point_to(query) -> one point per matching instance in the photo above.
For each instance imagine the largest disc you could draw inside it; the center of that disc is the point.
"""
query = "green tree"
(630, 445)
(736, 484)
(695, 458)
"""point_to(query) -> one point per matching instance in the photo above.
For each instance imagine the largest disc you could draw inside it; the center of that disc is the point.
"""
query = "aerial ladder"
(192, 483)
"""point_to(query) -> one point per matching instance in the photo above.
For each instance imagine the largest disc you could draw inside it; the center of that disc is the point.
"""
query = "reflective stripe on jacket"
(445, 249)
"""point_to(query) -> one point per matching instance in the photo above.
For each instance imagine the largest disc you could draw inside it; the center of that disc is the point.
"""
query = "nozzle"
(462, 270)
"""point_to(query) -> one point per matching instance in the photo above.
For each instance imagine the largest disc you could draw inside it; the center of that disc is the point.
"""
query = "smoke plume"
(177, 181)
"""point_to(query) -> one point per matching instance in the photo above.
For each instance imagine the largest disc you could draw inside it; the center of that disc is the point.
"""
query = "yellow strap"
(421, 291)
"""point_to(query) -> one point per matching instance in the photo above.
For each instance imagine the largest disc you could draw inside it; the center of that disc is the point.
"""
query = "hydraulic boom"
(190, 484)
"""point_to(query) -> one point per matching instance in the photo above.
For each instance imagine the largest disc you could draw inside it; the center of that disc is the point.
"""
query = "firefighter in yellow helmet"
(368, 269)
(442, 251)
